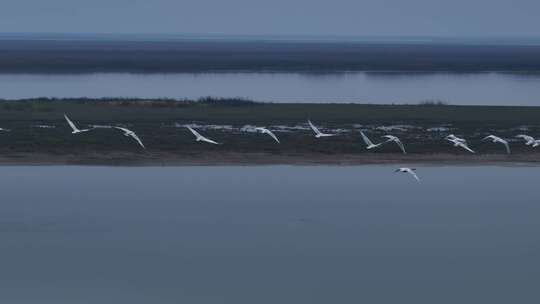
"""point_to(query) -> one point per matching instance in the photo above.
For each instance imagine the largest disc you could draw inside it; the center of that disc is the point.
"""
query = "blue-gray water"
(454, 88)
(274, 234)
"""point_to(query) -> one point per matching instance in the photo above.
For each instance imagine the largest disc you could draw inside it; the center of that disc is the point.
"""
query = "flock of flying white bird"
(456, 141)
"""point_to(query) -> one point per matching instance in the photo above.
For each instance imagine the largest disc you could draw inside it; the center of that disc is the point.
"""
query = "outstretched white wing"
(413, 174)
(464, 146)
(529, 140)
(410, 171)
(492, 137)
(506, 145)
(497, 139)
(525, 137)
(123, 129)
(401, 146)
(70, 123)
(194, 132)
(128, 132)
(272, 135)
(132, 134)
(315, 129)
(458, 143)
(209, 140)
(455, 138)
(200, 137)
(366, 139)
(396, 140)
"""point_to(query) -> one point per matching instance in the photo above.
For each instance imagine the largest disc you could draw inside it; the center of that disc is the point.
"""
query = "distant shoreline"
(169, 56)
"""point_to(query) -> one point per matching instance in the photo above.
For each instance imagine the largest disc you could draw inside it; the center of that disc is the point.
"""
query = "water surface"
(274, 234)
(359, 87)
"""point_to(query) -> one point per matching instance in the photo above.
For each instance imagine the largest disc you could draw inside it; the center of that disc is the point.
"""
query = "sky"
(448, 18)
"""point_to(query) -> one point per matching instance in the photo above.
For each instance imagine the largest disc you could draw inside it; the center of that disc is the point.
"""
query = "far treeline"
(84, 56)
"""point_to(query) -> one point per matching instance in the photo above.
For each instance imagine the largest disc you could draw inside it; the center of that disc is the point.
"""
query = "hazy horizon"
(394, 18)
(460, 40)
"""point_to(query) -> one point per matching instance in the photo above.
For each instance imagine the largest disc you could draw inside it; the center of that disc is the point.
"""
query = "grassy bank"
(38, 127)
(241, 111)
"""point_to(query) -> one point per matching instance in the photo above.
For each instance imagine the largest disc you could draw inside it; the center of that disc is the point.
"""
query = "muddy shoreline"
(261, 159)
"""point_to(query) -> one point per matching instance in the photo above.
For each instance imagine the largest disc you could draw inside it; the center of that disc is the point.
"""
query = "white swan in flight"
(410, 171)
(461, 144)
(497, 139)
(199, 137)
(266, 131)
(74, 127)
(529, 140)
(318, 133)
(132, 134)
(453, 138)
(392, 138)
(369, 143)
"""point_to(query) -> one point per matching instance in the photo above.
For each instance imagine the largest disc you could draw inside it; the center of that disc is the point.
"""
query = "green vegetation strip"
(240, 111)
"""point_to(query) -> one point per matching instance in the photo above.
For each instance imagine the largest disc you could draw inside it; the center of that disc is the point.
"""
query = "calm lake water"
(454, 88)
(269, 234)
